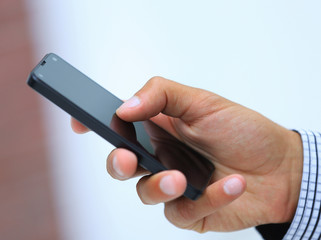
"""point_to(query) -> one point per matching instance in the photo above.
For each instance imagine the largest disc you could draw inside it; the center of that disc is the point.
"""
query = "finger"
(171, 98)
(78, 127)
(161, 187)
(122, 164)
(185, 213)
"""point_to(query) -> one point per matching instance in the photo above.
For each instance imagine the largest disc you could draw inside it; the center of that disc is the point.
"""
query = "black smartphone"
(95, 107)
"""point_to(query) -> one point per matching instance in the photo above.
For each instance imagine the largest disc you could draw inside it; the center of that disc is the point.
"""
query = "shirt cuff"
(306, 223)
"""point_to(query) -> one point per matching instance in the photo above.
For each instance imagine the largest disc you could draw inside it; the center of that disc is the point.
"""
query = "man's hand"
(258, 163)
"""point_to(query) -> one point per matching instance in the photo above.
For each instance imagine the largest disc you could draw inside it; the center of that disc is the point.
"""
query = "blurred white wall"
(263, 54)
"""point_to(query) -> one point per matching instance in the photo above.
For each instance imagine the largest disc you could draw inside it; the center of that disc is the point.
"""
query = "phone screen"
(145, 138)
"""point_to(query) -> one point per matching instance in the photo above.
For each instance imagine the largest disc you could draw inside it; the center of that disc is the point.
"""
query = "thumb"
(160, 95)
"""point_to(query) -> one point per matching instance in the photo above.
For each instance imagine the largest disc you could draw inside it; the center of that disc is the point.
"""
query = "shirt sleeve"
(306, 223)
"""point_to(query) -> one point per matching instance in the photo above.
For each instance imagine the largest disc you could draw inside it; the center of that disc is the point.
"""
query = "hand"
(258, 163)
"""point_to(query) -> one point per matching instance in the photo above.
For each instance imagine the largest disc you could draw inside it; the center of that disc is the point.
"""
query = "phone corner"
(192, 193)
(32, 79)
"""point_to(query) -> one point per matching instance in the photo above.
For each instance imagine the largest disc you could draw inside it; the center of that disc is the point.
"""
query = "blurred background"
(265, 55)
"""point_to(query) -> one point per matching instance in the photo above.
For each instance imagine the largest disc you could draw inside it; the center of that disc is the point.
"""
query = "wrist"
(294, 157)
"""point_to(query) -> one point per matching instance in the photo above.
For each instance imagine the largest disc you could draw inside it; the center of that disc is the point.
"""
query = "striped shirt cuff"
(306, 223)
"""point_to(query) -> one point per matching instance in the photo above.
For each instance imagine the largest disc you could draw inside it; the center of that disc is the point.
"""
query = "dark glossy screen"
(101, 105)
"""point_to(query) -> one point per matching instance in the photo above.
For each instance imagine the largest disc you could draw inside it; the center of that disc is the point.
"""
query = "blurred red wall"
(26, 203)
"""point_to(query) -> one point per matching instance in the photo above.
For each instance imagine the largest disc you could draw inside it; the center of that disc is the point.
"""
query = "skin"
(258, 162)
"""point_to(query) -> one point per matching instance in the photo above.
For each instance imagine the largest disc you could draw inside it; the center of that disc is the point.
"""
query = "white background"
(265, 55)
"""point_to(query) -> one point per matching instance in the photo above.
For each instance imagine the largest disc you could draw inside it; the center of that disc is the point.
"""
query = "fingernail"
(167, 186)
(233, 186)
(117, 169)
(130, 103)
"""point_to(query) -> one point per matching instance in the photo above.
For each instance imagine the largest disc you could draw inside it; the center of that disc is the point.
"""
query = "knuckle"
(212, 203)
(182, 214)
(199, 226)
(155, 80)
(141, 192)
(109, 168)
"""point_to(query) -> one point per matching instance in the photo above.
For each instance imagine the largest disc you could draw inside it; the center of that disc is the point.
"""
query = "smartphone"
(95, 107)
